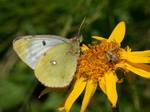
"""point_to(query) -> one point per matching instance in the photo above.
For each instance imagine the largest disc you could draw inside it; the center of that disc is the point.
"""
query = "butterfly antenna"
(81, 25)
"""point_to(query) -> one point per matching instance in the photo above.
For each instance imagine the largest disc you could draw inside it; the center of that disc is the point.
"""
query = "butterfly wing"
(57, 66)
(30, 48)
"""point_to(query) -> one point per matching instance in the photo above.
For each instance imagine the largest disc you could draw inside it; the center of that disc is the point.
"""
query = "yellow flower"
(97, 65)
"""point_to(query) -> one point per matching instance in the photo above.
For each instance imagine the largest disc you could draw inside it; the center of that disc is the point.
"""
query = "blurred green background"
(19, 89)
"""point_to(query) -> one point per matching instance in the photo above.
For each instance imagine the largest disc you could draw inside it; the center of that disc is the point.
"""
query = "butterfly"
(53, 58)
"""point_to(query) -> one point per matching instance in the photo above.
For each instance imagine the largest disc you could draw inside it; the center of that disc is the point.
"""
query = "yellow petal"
(90, 90)
(77, 90)
(84, 48)
(102, 84)
(141, 66)
(135, 57)
(111, 91)
(99, 38)
(142, 70)
(145, 53)
(118, 33)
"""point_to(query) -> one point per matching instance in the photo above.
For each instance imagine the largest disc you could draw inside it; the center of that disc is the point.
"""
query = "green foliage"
(63, 17)
(9, 92)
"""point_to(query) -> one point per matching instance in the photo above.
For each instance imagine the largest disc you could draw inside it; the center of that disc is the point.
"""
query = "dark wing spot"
(44, 42)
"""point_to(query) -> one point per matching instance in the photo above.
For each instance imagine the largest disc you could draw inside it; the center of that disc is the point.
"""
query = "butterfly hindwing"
(30, 48)
(57, 66)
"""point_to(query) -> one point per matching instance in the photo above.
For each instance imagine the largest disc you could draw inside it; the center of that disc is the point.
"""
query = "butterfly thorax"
(75, 45)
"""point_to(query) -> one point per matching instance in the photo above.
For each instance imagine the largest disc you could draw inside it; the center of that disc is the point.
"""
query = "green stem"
(116, 109)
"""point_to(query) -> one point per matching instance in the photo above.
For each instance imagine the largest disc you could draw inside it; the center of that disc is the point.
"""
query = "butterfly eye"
(53, 62)
(44, 43)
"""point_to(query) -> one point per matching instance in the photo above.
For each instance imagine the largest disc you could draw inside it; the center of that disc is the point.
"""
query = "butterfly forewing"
(30, 48)
(57, 66)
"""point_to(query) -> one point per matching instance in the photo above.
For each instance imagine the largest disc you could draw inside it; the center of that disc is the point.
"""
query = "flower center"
(96, 61)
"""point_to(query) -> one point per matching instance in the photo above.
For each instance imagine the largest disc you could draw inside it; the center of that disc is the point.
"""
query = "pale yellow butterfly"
(53, 58)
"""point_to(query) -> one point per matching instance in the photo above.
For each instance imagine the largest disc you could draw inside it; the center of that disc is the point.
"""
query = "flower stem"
(116, 109)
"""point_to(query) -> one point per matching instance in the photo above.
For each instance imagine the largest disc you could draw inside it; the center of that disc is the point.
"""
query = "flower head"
(97, 65)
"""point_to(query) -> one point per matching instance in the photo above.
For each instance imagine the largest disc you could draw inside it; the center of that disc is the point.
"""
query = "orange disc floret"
(96, 61)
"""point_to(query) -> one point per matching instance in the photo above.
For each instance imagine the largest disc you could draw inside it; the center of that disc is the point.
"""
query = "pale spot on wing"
(53, 62)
